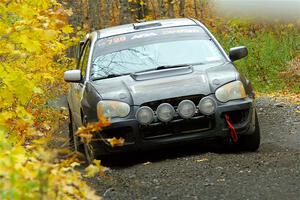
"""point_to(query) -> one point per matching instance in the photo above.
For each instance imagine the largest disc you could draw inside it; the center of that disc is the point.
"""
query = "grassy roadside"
(272, 64)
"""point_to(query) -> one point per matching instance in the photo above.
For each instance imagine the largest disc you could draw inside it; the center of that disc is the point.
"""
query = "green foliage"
(270, 47)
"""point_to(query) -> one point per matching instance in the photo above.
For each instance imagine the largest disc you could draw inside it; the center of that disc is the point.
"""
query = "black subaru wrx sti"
(160, 83)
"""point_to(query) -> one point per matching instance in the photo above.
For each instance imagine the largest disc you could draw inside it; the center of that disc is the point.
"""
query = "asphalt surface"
(208, 171)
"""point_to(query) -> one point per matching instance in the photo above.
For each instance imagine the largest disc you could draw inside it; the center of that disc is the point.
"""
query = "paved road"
(207, 171)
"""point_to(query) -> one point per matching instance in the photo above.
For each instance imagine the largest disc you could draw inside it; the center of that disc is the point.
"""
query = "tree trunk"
(125, 14)
(171, 8)
(181, 8)
(195, 8)
(142, 9)
(94, 14)
(76, 20)
(161, 8)
(202, 7)
(108, 6)
(153, 9)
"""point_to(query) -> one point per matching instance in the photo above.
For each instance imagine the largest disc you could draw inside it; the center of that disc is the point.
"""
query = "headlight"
(165, 112)
(112, 109)
(207, 106)
(186, 109)
(231, 91)
(145, 115)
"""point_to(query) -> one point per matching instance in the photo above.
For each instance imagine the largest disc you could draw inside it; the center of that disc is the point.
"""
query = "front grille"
(173, 101)
(177, 127)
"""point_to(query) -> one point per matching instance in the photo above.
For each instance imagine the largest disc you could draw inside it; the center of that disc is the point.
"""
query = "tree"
(195, 8)
(161, 8)
(108, 6)
(125, 12)
(94, 14)
(171, 8)
(77, 19)
(181, 8)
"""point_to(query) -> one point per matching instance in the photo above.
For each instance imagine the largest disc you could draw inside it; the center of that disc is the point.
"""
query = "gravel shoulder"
(206, 171)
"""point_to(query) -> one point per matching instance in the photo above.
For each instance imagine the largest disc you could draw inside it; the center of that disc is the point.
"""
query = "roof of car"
(134, 27)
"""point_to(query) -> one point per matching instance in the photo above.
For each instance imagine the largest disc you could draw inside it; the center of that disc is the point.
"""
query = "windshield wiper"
(108, 76)
(163, 67)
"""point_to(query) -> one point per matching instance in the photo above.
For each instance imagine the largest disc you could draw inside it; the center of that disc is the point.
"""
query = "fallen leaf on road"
(202, 160)
(95, 168)
(221, 180)
(91, 170)
(46, 126)
(74, 164)
(63, 108)
(147, 163)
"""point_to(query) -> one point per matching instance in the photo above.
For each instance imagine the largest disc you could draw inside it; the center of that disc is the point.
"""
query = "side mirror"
(237, 53)
(73, 76)
(79, 49)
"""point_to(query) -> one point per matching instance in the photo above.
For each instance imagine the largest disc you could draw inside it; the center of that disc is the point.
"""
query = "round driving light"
(186, 109)
(145, 115)
(165, 112)
(207, 106)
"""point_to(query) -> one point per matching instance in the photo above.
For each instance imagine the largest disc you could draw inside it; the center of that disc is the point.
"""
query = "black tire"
(251, 142)
(73, 145)
(71, 139)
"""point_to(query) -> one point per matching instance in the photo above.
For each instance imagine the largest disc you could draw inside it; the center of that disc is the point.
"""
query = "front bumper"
(179, 131)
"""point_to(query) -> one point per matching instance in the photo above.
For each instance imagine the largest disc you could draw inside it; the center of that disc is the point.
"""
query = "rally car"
(165, 82)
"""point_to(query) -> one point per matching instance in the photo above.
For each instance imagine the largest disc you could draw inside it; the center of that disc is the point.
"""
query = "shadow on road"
(129, 159)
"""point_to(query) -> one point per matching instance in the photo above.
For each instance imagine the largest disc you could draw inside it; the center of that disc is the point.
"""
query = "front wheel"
(251, 142)
(74, 144)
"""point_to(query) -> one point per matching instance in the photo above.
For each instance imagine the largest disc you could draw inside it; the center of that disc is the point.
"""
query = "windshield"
(140, 51)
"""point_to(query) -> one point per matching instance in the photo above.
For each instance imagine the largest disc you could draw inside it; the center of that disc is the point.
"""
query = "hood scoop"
(142, 76)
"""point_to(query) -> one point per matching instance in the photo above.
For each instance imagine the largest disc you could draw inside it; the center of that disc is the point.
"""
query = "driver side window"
(84, 58)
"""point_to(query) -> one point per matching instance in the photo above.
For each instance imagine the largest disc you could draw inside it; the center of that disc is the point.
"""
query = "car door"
(79, 87)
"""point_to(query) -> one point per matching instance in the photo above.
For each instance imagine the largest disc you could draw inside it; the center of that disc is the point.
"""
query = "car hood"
(163, 84)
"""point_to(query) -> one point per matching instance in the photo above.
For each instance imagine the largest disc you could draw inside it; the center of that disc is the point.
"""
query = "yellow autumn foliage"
(34, 35)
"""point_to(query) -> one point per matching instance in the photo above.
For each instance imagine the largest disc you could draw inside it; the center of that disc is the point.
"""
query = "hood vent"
(161, 73)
